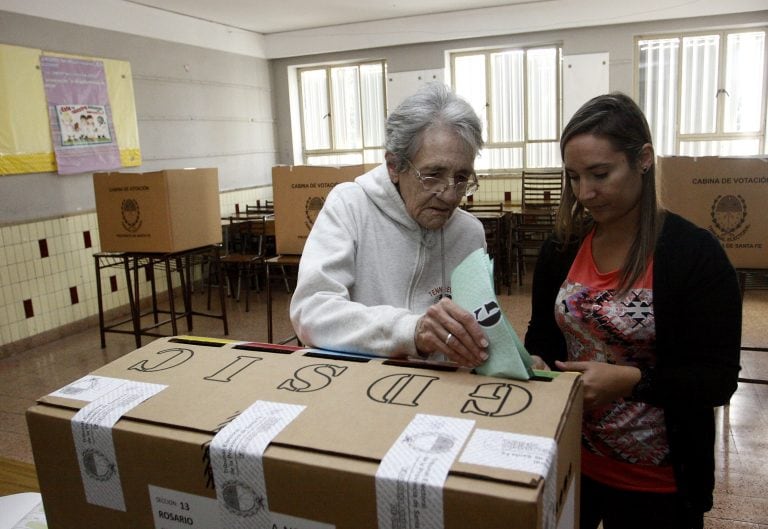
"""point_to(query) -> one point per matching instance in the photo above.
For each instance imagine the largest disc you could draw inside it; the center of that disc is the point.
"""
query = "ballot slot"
(193, 341)
(265, 348)
(420, 365)
(344, 357)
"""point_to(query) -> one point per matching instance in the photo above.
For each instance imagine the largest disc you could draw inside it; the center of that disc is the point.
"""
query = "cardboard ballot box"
(190, 433)
(162, 211)
(299, 194)
(727, 196)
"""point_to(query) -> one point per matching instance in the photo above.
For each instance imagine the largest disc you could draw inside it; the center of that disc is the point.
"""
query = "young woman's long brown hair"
(616, 118)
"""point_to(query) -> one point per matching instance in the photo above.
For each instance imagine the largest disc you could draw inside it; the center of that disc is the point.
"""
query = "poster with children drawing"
(80, 117)
(83, 124)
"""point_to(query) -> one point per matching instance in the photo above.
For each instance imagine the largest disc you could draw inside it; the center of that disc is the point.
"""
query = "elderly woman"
(374, 272)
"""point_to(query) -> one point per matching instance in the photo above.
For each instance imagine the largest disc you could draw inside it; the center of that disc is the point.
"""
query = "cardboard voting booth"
(202, 433)
(299, 194)
(725, 195)
(163, 211)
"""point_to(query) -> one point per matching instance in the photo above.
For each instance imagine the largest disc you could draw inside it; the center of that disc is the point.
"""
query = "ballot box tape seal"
(412, 474)
(108, 400)
(237, 462)
(514, 451)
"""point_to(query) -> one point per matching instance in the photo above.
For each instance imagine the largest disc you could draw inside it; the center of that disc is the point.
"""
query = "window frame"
(332, 150)
(719, 134)
(488, 117)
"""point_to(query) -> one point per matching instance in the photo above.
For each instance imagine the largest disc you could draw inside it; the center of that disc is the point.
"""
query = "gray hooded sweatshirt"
(368, 271)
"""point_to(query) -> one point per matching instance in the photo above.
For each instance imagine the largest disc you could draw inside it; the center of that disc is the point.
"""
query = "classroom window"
(704, 94)
(343, 112)
(517, 94)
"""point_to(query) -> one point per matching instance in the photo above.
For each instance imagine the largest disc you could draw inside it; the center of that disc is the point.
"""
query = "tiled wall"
(493, 188)
(47, 277)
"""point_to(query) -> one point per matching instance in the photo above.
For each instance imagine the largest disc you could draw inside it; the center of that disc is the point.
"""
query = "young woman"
(647, 307)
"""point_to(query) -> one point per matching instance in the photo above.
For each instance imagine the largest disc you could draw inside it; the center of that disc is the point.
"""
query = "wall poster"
(80, 115)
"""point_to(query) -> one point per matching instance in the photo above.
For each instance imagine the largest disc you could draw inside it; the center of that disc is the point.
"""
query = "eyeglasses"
(463, 184)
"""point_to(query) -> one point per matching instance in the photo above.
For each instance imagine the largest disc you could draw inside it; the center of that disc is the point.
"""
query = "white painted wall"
(585, 76)
(402, 84)
(135, 19)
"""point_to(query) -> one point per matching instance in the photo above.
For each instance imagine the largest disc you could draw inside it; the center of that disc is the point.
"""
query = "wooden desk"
(227, 222)
(278, 260)
(489, 215)
(249, 216)
(507, 207)
(16, 477)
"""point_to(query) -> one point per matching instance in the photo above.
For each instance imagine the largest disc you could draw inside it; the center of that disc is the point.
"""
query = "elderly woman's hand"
(447, 328)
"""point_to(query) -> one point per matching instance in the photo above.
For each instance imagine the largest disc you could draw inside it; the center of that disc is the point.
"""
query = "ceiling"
(275, 16)
(274, 29)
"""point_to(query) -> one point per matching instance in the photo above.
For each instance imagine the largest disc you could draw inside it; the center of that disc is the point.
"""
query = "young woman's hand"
(603, 383)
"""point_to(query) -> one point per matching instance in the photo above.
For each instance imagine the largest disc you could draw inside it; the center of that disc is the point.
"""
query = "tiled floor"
(741, 499)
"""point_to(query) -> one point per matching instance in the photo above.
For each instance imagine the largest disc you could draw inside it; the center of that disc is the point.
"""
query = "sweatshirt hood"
(380, 190)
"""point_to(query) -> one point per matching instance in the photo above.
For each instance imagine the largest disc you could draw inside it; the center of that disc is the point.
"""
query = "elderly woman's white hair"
(433, 105)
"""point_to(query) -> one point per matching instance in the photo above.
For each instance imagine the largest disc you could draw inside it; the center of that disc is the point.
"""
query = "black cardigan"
(697, 309)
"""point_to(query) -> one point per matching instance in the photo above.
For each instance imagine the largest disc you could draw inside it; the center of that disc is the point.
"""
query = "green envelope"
(472, 289)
